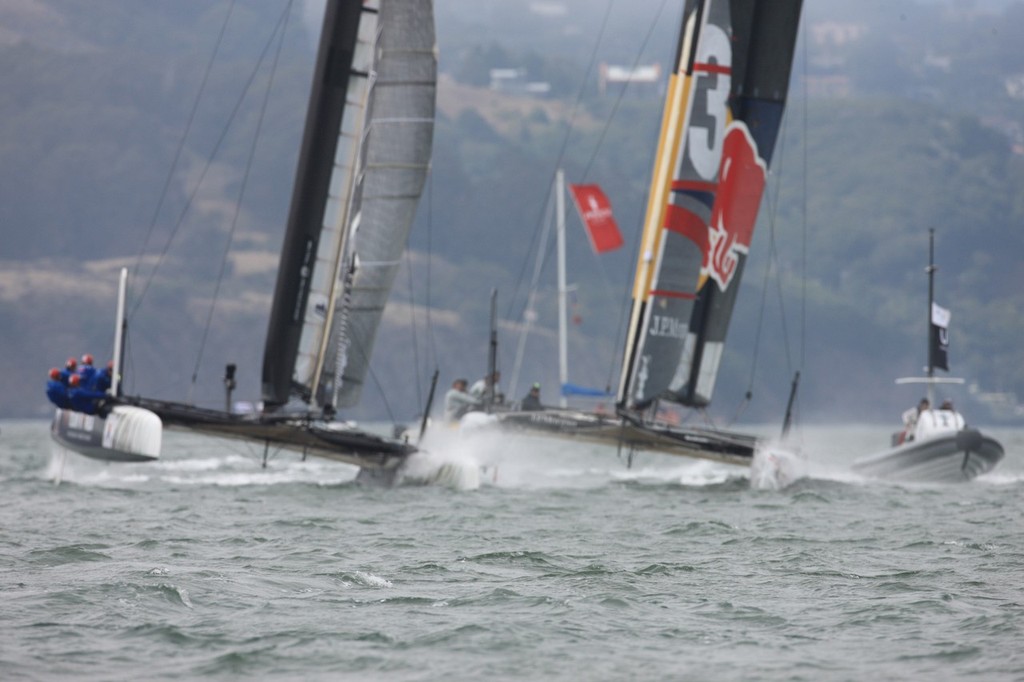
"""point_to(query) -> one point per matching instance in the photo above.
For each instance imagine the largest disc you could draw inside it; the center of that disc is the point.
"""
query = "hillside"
(870, 159)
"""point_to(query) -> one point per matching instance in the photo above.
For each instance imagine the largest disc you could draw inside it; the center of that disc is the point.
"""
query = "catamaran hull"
(717, 446)
(380, 457)
(126, 434)
(952, 458)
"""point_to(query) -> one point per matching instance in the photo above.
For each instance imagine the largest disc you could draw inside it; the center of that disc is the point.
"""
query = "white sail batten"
(395, 160)
(339, 203)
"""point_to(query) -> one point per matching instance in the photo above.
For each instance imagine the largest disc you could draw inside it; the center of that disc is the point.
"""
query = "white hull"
(126, 434)
(944, 458)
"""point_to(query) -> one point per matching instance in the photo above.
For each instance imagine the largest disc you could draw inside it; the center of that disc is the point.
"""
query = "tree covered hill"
(96, 102)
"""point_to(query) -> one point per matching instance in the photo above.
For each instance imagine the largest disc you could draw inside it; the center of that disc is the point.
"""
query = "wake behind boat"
(936, 445)
(362, 165)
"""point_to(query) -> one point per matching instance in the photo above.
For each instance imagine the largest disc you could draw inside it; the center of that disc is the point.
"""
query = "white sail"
(395, 160)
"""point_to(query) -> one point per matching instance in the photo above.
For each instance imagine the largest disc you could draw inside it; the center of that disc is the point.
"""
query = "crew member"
(69, 368)
(104, 377)
(910, 418)
(458, 402)
(486, 390)
(531, 403)
(84, 399)
(57, 390)
(87, 371)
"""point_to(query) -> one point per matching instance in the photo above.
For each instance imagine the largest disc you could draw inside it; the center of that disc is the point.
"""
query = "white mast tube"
(122, 289)
(563, 331)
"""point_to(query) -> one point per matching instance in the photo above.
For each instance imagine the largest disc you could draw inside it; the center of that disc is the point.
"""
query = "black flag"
(938, 348)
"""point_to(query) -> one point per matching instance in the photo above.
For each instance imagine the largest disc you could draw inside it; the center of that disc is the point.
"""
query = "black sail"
(721, 120)
(327, 107)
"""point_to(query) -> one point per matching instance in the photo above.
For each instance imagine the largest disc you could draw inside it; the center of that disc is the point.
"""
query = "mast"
(930, 367)
(563, 325)
(931, 300)
(938, 342)
(121, 326)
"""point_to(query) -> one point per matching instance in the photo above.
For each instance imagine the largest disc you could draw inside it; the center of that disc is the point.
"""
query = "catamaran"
(363, 161)
(722, 114)
(936, 444)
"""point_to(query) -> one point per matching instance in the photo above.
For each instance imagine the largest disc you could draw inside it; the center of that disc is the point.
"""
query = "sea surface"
(555, 561)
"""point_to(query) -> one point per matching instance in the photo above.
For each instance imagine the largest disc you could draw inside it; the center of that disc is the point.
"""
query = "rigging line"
(773, 248)
(773, 266)
(627, 292)
(431, 343)
(356, 346)
(560, 157)
(184, 137)
(538, 266)
(415, 339)
(622, 91)
(590, 162)
(209, 163)
(238, 204)
(803, 241)
(380, 390)
(626, 297)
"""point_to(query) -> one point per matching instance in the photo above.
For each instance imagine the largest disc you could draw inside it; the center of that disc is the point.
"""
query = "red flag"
(596, 213)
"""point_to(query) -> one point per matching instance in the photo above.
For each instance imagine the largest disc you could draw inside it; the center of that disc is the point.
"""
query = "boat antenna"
(788, 420)
(492, 354)
(426, 410)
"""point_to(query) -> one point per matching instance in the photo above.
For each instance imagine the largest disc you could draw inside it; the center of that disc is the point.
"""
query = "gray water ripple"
(228, 572)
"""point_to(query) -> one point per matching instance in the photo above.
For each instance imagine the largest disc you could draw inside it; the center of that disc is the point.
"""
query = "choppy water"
(559, 565)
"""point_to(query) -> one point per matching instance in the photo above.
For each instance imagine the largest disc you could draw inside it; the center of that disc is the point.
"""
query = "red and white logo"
(596, 212)
(741, 180)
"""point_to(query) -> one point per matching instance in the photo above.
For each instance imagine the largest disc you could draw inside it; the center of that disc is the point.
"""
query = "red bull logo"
(741, 183)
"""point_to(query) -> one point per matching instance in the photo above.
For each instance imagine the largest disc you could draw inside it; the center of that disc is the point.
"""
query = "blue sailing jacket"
(57, 392)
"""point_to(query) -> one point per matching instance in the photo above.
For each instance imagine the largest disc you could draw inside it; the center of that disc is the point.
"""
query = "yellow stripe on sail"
(669, 142)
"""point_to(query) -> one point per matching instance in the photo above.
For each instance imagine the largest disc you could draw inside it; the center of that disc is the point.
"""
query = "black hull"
(378, 458)
(306, 435)
(717, 446)
(84, 434)
(953, 458)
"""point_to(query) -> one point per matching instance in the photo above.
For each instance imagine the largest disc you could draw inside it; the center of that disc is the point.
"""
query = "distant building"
(643, 78)
(836, 34)
(514, 81)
